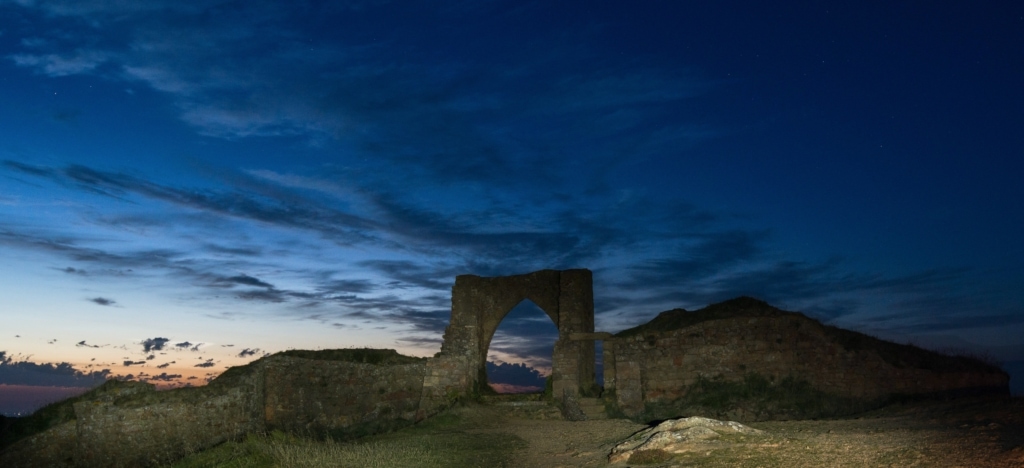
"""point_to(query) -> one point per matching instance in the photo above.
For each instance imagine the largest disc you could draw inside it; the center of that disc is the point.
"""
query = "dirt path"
(568, 444)
(963, 433)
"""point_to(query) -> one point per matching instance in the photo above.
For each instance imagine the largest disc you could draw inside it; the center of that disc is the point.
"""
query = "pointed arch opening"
(479, 304)
(519, 355)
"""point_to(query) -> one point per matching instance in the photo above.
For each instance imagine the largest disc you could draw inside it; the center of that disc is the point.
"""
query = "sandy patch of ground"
(959, 433)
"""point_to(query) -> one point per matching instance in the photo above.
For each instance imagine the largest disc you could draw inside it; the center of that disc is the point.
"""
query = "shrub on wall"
(754, 398)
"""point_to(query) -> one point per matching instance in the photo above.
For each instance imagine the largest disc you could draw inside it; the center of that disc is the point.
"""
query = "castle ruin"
(650, 371)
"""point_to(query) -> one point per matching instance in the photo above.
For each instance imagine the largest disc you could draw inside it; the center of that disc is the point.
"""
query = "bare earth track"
(956, 433)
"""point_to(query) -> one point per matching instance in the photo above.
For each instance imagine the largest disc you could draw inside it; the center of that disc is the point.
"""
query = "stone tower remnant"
(478, 306)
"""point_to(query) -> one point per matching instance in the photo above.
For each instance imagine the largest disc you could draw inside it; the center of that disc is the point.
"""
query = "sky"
(188, 186)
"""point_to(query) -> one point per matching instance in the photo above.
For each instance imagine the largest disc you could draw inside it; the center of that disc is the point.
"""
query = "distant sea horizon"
(23, 400)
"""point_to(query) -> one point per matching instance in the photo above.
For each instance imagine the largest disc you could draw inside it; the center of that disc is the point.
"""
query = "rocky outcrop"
(679, 436)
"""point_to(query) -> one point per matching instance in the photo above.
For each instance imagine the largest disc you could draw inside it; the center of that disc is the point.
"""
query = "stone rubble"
(680, 435)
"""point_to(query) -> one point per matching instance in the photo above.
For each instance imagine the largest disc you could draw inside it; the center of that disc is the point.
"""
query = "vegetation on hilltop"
(675, 319)
(380, 357)
(897, 355)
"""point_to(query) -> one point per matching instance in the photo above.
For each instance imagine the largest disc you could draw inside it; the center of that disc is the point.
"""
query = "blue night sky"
(186, 186)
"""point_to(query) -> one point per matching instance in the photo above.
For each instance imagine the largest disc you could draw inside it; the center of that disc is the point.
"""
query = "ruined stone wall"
(658, 368)
(134, 425)
(337, 395)
(448, 378)
(152, 428)
(341, 398)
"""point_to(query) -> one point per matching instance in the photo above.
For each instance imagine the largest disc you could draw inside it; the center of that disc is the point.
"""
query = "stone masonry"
(658, 367)
(478, 306)
(165, 426)
(133, 425)
(330, 395)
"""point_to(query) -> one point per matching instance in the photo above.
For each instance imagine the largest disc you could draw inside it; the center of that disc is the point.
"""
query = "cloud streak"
(103, 301)
(708, 263)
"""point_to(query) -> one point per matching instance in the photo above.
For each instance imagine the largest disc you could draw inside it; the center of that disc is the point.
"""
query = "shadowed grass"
(446, 440)
(759, 398)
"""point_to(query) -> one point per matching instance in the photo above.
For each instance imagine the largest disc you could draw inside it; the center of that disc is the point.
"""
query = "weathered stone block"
(315, 396)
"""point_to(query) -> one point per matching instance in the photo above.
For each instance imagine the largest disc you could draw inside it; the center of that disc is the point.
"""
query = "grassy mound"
(681, 318)
(897, 355)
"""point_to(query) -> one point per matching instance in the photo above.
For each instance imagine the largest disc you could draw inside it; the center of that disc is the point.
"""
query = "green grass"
(733, 457)
(252, 452)
(649, 457)
(761, 399)
(446, 440)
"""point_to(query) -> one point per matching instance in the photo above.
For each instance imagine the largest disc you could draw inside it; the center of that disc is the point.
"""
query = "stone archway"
(478, 306)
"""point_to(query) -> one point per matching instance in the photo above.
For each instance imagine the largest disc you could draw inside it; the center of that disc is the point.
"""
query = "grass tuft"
(758, 398)
(445, 440)
(649, 457)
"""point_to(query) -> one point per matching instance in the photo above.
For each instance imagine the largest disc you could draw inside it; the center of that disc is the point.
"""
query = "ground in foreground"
(985, 432)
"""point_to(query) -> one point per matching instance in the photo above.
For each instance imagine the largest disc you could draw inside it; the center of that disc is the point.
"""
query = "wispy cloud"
(103, 301)
(340, 226)
(449, 121)
(681, 255)
(79, 62)
(247, 352)
(165, 377)
(247, 281)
